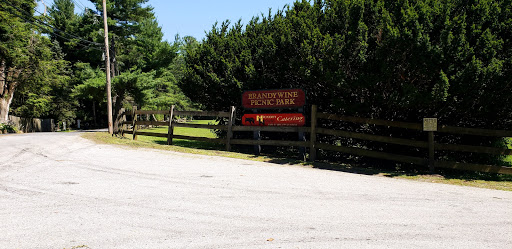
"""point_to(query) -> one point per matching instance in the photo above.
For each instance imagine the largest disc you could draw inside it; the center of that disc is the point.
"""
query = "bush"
(8, 128)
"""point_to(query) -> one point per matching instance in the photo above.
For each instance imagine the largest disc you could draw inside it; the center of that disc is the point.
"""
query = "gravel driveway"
(58, 190)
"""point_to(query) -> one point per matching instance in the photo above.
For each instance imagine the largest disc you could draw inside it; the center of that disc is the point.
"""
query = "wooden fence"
(171, 123)
(313, 145)
(430, 144)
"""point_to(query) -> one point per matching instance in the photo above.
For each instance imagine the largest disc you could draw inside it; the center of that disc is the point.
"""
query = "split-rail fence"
(314, 130)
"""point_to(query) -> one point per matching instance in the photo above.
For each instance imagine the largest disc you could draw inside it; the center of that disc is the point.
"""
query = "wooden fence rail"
(229, 127)
(202, 126)
(314, 130)
(396, 124)
(171, 123)
(431, 145)
(186, 113)
(475, 131)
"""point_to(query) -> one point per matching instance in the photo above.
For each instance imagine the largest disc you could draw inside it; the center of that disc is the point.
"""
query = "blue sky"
(194, 17)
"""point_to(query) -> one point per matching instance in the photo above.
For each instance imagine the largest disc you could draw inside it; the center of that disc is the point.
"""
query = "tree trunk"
(7, 88)
(94, 113)
(5, 103)
(117, 109)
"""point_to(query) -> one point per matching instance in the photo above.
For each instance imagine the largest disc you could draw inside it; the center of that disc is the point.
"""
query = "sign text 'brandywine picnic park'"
(283, 98)
(274, 119)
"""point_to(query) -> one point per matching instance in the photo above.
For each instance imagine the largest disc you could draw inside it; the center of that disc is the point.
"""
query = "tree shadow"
(390, 170)
(347, 168)
(323, 165)
(192, 144)
(400, 170)
(473, 176)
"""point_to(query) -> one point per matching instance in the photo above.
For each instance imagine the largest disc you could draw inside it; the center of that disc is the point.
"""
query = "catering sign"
(274, 119)
(283, 98)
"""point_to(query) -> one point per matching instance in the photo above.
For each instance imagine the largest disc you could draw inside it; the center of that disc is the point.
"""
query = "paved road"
(58, 190)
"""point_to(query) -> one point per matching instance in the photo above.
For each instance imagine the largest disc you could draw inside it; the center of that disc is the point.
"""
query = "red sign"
(274, 119)
(285, 98)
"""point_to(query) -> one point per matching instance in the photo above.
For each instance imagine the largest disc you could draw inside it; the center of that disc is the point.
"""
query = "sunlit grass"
(185, 131)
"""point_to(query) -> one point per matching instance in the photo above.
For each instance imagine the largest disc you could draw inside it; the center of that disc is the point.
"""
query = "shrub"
(8, 128)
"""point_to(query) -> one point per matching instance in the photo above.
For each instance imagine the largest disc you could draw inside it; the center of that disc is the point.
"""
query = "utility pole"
(107, 70)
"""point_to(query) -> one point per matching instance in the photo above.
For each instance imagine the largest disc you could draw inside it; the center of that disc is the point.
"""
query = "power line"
(79, 5)
(49, 31)
(55, 29)
(74, 36)
(80, 2)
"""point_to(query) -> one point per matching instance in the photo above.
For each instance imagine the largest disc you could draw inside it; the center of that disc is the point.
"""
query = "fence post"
(302, 138)
(256, 135)
(170, 130)
(230, 128)
(122, 119)
(430, 125)
(431, 152)
(134, 115)
(312, 139)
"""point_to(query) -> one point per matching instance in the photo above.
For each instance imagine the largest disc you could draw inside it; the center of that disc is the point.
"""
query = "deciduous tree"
(15, 49)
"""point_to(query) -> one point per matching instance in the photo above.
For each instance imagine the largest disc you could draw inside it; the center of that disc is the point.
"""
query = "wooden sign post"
(430, 125)
(256, 135)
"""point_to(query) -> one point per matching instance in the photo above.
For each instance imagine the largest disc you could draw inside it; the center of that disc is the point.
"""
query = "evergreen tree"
(396, 60)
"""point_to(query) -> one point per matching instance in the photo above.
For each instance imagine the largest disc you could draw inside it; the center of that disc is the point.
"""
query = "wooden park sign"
(274, 99)
(270, 99)
(274, 119)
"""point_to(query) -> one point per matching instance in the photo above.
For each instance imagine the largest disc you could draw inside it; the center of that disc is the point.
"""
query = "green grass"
(185, 131)
(505, 183)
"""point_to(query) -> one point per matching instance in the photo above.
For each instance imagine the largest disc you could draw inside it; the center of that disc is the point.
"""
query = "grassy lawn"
(196, 132)
(463, 178)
